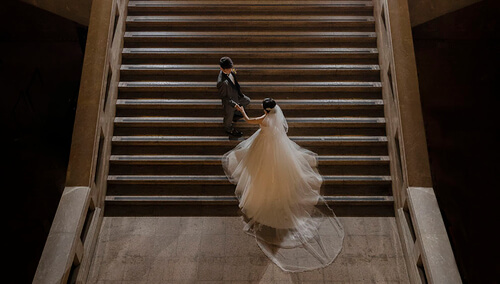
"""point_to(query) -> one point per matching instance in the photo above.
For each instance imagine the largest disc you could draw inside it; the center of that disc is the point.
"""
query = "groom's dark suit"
(230, 92)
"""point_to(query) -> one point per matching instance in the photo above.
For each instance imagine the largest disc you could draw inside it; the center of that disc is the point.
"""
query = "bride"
(278, 188)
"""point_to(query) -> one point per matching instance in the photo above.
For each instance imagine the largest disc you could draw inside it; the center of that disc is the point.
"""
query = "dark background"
(41, 58)
(457, 61)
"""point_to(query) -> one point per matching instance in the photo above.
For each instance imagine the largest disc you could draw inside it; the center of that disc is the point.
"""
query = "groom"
(230, 93)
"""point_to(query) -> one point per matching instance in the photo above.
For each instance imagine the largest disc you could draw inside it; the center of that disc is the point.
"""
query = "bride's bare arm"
(256, 120)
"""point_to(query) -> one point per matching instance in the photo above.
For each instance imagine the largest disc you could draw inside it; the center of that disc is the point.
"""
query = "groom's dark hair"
(268, 104)
(225, 62)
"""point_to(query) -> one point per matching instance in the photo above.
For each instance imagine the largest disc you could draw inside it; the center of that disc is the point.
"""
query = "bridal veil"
(278, 189)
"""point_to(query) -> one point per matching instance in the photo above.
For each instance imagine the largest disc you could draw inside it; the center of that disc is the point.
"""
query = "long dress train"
(278, 188)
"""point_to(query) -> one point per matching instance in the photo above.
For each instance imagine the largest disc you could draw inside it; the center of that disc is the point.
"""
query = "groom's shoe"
(234, 132)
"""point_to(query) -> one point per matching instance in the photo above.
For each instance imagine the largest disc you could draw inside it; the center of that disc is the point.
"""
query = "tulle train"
(278, 188)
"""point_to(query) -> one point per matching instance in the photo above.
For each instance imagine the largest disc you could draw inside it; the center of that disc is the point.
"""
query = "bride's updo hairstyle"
(268, 104)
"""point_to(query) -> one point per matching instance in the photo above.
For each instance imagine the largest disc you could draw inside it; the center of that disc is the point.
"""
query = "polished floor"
(216, 250)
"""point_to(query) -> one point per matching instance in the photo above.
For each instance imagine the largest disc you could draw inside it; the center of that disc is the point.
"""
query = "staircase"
(319, 61)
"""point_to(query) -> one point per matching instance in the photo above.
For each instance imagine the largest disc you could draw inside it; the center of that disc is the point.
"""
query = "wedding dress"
(278, 188)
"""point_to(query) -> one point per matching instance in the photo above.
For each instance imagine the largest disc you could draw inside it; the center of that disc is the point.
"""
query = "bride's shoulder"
(263, 120)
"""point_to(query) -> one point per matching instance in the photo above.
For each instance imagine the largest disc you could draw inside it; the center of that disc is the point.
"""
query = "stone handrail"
(428, 253)
(68, 250)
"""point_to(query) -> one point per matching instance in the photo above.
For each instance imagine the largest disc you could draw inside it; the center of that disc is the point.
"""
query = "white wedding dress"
(278, 188)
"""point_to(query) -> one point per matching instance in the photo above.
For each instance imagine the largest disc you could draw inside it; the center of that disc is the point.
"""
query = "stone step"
(222, 179)
(342, 209)
(216, 160)
(199, 169)
(218, 145)
(250, 7)
(213, 125)
(248, 130)
(253, 111)
(254, 90)
(248, 56)
(255, 73)
(251, 22)
(192, 186)
(348, 189)
(247, 69)
(249, 39)
(228, 205)
(256, 97)
(213, 107)
(212, 200)
(211, 165)
(224, 140)
(250, 87)
(204, 122)
(286, 105)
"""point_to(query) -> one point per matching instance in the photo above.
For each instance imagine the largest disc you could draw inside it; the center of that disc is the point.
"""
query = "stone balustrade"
(69, 248)
(426, 246)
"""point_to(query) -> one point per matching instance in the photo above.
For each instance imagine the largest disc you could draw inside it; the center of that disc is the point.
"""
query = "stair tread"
(204, 139)
(215, 103)
(267, 3)
(263, 68)
(222, 179)
(246, 18)
(245, 84)
(295, 50)
(322, 102)
(216, 159)
(138, 142)
(159, 121)
(207, 120)
(273, 34)
(233, 199)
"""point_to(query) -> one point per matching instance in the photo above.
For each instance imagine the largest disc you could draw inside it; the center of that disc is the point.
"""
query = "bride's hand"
(238, 107)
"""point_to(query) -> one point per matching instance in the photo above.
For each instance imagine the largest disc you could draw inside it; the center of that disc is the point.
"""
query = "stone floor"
(216, 250)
